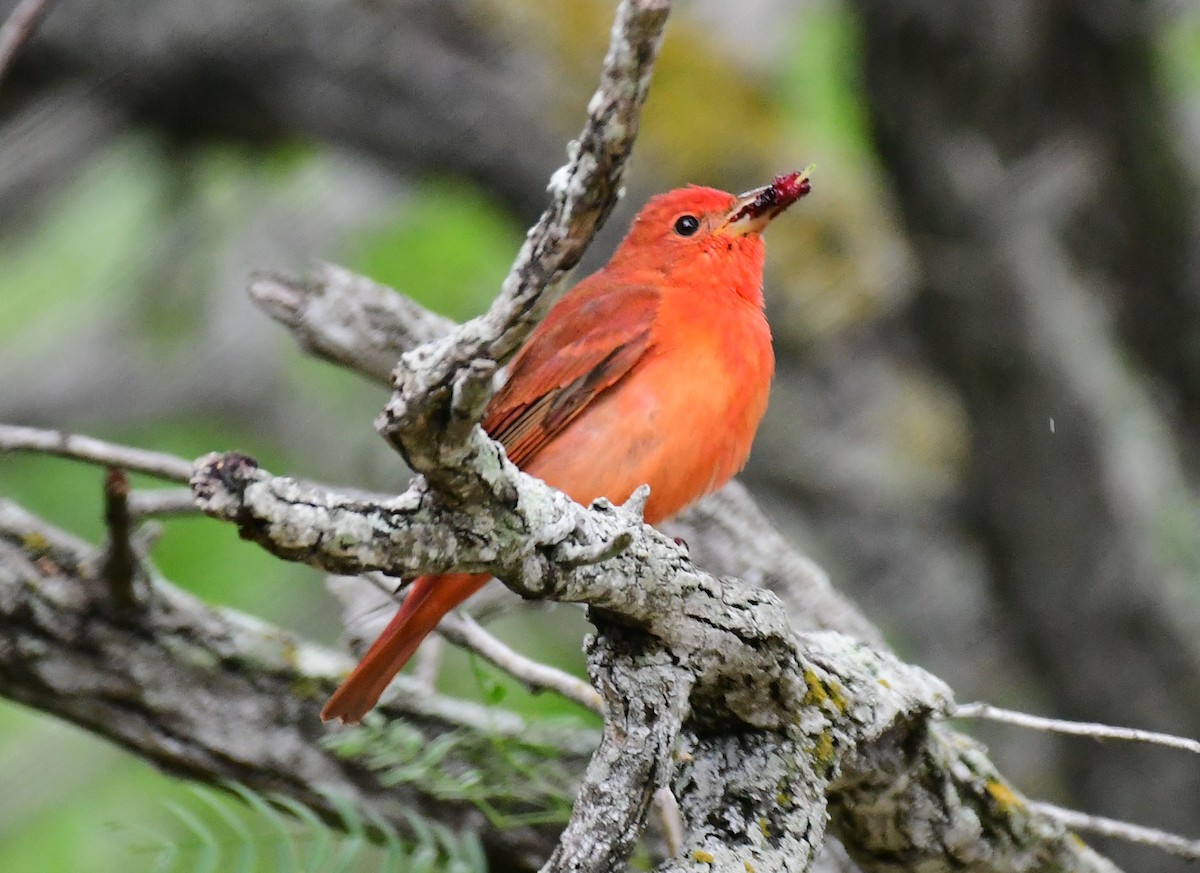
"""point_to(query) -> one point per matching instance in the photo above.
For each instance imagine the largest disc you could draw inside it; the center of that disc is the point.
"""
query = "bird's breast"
(682, 420)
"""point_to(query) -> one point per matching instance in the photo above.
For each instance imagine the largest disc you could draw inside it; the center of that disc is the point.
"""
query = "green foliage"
(206, 558)
(820, 92)
(61, 272)
(512, 779)
(240, 830)
(449, 248)
(1179, 55)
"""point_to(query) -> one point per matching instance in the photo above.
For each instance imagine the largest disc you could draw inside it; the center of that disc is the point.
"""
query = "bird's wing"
(590, 341)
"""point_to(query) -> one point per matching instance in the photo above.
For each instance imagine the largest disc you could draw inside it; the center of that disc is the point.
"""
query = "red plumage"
(655, 369)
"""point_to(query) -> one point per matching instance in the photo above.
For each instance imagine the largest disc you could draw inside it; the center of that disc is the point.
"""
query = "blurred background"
(986, 419)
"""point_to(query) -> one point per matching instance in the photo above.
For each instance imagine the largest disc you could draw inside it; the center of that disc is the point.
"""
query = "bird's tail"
(430, 598)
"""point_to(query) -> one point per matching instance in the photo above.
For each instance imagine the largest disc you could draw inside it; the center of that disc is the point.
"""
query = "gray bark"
(208, 693)
(1056, 225)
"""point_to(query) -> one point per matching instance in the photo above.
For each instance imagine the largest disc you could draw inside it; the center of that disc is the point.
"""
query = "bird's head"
(705, 237)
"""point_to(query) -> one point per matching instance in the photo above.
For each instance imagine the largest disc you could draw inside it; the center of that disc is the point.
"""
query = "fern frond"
(512, 779)
(206, 845)
(236, 829)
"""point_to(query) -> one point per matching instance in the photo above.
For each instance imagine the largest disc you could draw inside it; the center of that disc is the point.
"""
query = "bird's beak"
(755, 209)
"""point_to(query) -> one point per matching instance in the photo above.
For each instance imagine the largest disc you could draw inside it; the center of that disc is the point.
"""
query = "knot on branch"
(219, 482)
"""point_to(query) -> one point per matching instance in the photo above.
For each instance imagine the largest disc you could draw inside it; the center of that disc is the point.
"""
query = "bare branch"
(348, 319)
(1094, 824)
(427, 662)
(17, 29)
(162, 502)
(463, 631)
(1074, 728)
(14, 438)
(209, 693)
(670, 820)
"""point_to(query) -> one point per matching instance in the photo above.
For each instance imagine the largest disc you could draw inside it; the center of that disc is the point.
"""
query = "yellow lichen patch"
(1005, 797)
(837, 698)
(817, 693)
(783, 798)
(765, 827)
(822, 751)
(34, 542)
(749, 867)
(703, 857)
(820, 692)
(885, 683)
(290, 652)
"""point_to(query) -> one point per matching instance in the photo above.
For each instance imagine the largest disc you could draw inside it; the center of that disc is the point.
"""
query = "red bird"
(655, 370)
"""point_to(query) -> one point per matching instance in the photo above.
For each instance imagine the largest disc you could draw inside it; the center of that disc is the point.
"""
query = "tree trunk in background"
(1054, 228)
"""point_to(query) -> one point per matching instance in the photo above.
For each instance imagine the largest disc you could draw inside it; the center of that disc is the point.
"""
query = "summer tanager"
(653, 370)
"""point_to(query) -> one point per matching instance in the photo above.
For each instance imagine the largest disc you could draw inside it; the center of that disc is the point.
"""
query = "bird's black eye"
(686, 225)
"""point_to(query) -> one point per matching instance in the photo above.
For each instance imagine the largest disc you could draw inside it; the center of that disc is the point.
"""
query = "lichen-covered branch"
(522, 532)
(645, 695)
(736, 637)
(212, 694)
(934, 801)
(827, 709)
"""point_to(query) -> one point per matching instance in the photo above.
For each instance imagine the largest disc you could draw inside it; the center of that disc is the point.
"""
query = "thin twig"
(15, 438)
(120, 559)
(1121, 830)
(428, 663)
(162, 503)
(464, 631)
(671, 820)
(152, 684)
(1075, 728)
(17, 28)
